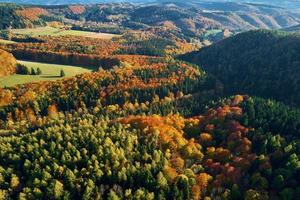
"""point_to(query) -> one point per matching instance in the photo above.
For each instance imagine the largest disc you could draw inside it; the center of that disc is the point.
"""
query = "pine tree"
(38, 71)
(62, 73)
(33, 72)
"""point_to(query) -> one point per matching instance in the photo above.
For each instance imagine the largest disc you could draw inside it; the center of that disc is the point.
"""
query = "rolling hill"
(7, 63)
(189, 18)
(16, 16)
(144, 125)
(282, 3)
(234, 16)
(263, 63)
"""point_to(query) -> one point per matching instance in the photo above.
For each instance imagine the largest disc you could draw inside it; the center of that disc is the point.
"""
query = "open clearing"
(43, 31)
(49, 72)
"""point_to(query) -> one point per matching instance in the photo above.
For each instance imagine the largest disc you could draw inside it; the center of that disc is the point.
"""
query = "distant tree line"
(66, 59)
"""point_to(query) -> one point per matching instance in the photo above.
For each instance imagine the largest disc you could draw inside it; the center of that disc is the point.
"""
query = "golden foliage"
(52, 111)
(7, 63)
(202, 180)
(170, 174)
(205, 137)
(177, 162)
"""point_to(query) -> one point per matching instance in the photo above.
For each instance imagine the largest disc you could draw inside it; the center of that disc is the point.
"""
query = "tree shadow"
(50, 76)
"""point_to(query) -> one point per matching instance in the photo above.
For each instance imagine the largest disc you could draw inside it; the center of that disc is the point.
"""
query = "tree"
(38, 71)
(14, 182)
(287, 194)
(33, 72)
(112, 196)
(4, 195)
(62, 73)
(22, 69)
(161, 180)
(278, 182)
(56, 189)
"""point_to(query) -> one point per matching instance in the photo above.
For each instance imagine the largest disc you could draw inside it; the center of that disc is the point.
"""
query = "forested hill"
(188, 18)
(7, 63)
(263, 63)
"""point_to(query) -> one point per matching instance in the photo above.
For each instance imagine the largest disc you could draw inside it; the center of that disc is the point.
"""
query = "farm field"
(49, 72)
(43, 31)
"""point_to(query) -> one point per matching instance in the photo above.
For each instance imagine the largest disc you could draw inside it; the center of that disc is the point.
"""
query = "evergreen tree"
(22, 69)
(33, 72)
(38, 71)
(62, 73)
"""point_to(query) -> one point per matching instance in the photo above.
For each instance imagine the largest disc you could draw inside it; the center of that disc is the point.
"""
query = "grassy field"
(42, 31)
(49, 72)
(6, 41)
(212, 32)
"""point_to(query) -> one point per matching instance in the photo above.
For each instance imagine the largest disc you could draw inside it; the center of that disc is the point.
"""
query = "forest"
(134, 132)
(262, 63)
(174, 105)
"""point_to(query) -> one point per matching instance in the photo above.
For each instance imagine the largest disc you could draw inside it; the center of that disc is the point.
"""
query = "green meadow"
(6, 41)
(49, 72)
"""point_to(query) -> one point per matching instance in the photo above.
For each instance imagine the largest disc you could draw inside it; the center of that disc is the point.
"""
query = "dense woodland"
(145, 124)
(9, 17)
(262, 63)
(94, 52)
(134, 132)
(228, 150)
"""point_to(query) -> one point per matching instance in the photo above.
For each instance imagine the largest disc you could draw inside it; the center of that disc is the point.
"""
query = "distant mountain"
(293, 28)
(189, 18)
(233, 16)
(263, 63)
(63, 2)
(282, 3)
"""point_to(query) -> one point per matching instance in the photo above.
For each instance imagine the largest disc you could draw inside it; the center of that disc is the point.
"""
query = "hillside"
(17, 16)
(234, 16)
(132, 133)
(134, 121)
(183, 20)
(262, 63)
(7, 63)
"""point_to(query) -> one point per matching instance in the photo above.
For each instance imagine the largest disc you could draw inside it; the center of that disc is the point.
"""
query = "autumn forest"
(149, 101)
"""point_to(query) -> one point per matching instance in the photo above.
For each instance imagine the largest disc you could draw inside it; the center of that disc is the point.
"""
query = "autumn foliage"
(7, 63)
(75, 9)
(32, 13)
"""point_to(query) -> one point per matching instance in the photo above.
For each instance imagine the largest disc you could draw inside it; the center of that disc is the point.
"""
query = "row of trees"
(66, 59)
(23, 69)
